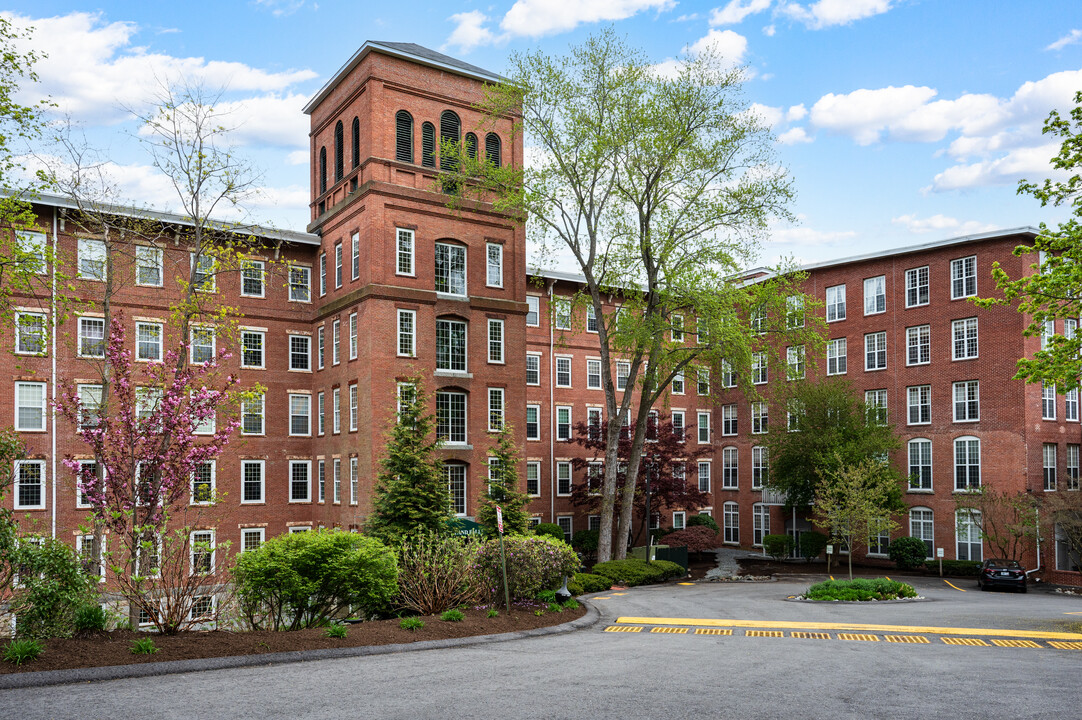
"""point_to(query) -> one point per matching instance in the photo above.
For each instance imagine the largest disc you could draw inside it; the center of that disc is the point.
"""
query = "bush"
(586, 541)
(305, 579)
(143, 646)
(954, 568)
(552, 530)
(533, 564)
(695, 539)
(908, 553)
(411, 623)
(452, 616)
(336, 631)
(703, 521)
(436, 573)
(493, 612)
(90, 619)
(633, 572)
(861, 590)
(584, 583)
(20, 651)
(54, 587)
(778, 546)
(812, 545)
(571, 604)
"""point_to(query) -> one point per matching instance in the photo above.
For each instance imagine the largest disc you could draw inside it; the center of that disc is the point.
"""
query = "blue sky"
(900, 121)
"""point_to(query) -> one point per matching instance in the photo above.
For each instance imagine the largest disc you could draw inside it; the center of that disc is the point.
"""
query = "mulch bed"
(114, 648)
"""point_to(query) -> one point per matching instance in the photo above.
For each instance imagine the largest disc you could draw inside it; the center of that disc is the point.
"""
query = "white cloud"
(941, 223)
(1069, 39)
(769, 30)
(794, 136)
(1026, 162)
(808, 236)
(469, 31)
(729, 47)
(297, 157)
(826, 13)
(770, 116)
(735, 12)
(796, 112)
(535, 18)
(864, 114)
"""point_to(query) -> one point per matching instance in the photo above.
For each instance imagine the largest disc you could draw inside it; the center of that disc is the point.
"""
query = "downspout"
(552, 414)
(52, 426)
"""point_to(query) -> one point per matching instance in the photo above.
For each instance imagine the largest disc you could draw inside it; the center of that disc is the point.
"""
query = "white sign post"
(939, 554)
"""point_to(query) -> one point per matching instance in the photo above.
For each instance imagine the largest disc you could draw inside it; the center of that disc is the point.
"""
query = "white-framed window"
(760, 523)
(494, 265)
(320, 414)
(794, 414)
(252, 539)
(204, 269)
(565, 523)
(146, 402)
(405, 392)
(704, 427)
(878, 539)
(875, 403)
(456, 486)
(593, 374)
(148, 266)
(354, 476)
(563, 478)
(730, 467)
(593, 423)
(322, 274)
(919, 402)
(679, 473)
(91, 259)
(91, 337)
(1048, 401)
(730, 517)
(533, 369)
(29, 484)
(404, 252)
(757, 320)
(297, 529)
(623, 373)
(918, 345)
(837, 358)
(320, 334)
(760, 467)
(252, 481)
(208, 424)
(451, 416)
(202, 551)
(300, 283)
(759, 374)
(30, 400)
(964, 277)
(533, 310)
(355, 256)
(563, 423)
(336, 410)
(1072, 465)
(916, 287)
(407, 333)
(836, 303)
(353, 336)
(920, 464)
(533, 478)
(967, 401)
(300, 352)
(678, 383)
(85, 550)
(336, 341)
(87, 468)
(965, 338)
(353, 408)
(30, 333)
(875, 351)
(533, 422)
(336, 475)
(321, 479)
(563, 372)
(794, 312)
(704, 470)
(967, 532)
(252, 279)
(677, 328)
(679, 520)
(702, 380)
(251, 411)
(203, 339)
(794, 362)
(495, 409)
(875, 295)
(300, 480)
(203, 482)
(300, 415)
(728, 419)
(561, 313)
(759, 418)
(32, 246)
(89, 405)
(679, 430)
(1070, 405)
(728, 376)
(450, 269)
(591, 318)
(148, 341)
(451, 345)
(1049, 465)
(495, 340)
(922, 527)
(252, 343)
(967, 463)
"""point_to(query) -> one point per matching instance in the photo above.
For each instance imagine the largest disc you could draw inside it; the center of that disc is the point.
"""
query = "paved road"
(598, 674)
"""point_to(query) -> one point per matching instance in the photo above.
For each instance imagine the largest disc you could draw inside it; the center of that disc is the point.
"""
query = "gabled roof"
(407, 51)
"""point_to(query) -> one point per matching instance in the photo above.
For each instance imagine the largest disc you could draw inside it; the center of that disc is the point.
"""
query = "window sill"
(253, 502)
(252, 367)
(453, 374)
(451, 296)
(920, 491)
(456, 446)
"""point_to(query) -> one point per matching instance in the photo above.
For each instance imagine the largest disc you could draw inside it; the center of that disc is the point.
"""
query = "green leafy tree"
(503, 488)
(855, 501)
(52, 586)
(11, 449)
(823, 427)
(648, 180)
(1049, 290)
(411, 492)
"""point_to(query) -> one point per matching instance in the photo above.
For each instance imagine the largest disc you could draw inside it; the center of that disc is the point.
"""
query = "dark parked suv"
(1006, 573)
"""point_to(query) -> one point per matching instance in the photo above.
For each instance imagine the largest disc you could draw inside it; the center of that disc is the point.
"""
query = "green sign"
(467, 528)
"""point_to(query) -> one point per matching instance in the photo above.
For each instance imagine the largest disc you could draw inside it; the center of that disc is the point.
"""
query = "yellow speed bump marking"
(622, 628)
(1065, 645)
(764, 633)
(713, 631)
(670, 630)
(972, 642)
(603, 598)
(1017, 643)
(954, 586)
(858, 636)
(850, 627)
(810, 635)
(685, 583)
(1072, 613)
(619, 593)
(917, 639)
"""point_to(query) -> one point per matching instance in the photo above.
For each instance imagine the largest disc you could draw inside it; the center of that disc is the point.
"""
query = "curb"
(170, 667)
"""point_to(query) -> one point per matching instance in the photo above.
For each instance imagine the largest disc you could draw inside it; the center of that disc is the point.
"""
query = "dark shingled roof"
(423, 52)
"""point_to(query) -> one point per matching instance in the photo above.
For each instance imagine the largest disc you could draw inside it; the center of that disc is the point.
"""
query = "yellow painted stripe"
(810, 635)
(831, 577)
(913, 639)
(1017, 643)
(619, 628)
(855, 627)
(858, 636)
(972, 642)
(764, 633)
(669, 630)
(685, 583)
(713, 631)
(954, 586)
(1066, 645)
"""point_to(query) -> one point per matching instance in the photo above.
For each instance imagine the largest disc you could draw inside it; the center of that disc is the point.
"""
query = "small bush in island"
(908, 553)
(493, 612)
(90, 618)
(336, 631)
(584, 583)
(632, 571)
(411, 623)
(20, 651)
(143, 646)
(860, 589)
(452, 616)
(436, 573)
(778, 546)
(534, 563)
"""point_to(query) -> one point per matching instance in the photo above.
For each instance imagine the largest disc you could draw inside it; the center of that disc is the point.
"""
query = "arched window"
(339, 152)
(967, 463)
(967, 532)
(471, 146)
(403, 136)
(428, 144)
(920, 464)
(760, 515)
(356, 142)
(492, 149)
(450, 128)
(922, 527)
(322, 170)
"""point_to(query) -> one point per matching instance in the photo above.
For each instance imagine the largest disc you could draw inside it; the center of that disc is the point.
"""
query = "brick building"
(389, 284)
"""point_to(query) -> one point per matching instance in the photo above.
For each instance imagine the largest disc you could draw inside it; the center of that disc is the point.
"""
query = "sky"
(900, 121)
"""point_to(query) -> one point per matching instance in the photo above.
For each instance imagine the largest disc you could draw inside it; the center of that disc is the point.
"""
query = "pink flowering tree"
(151, 441)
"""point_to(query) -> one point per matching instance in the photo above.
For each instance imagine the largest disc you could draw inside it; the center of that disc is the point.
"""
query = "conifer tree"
(411, 490)
(503, 489)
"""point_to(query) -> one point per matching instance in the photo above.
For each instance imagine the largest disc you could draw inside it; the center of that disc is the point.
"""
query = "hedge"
(632, 571)
(861, 589)
(584, 583)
